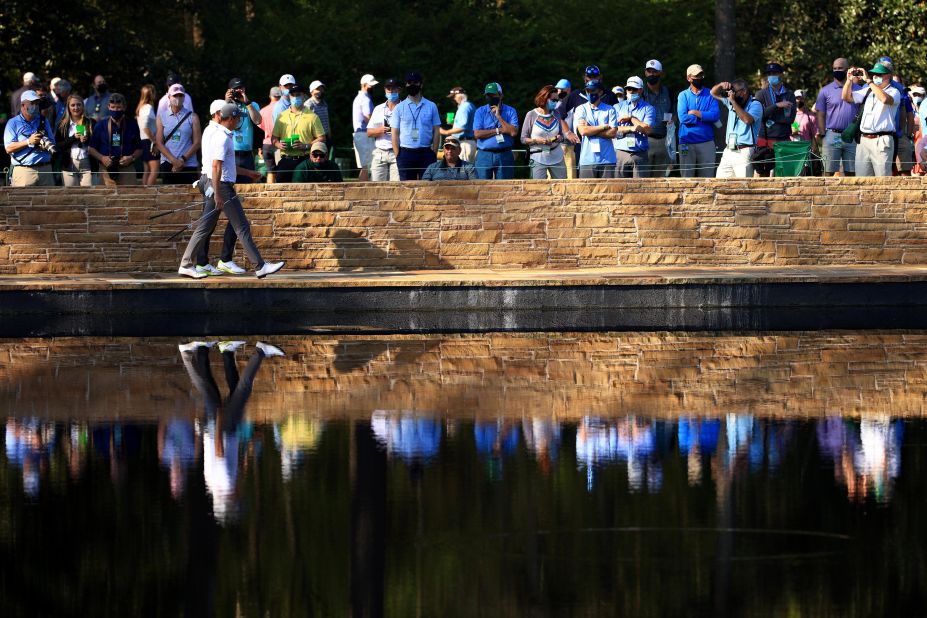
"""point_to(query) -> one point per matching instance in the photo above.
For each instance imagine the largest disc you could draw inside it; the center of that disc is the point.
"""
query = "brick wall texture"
(501, 225)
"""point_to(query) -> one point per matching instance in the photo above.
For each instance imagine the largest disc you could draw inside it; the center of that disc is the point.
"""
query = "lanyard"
(594, 120)
(122, 136)
(421, 106)
(290, 128)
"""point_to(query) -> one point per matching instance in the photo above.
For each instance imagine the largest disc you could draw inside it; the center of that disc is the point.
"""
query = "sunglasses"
(450, 147)
(317, 155)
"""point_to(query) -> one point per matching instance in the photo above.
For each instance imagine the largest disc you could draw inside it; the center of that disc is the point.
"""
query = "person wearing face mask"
(286, 81)
(165, 101)
(414, 130)
(268, 152)
(317, 105)
(495, 126)
(31, 163)
(462, 128)
(383, 159)
(636, 117)
(744, 115)
(177, 135)
(361, 109)
(778, 103)
(805, 127)
(571, 140)
(572, 99)
(596, 122)
(542, 132)
(917, 98)
(237, 93)
(295, 131)
(880, 101)
(658, 95)
(834, 114)
(116, 144)
(920, 121)
(697, 111)
(220, 174)
(97, 104)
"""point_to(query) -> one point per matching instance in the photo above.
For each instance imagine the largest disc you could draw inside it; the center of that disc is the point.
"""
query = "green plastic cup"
(450, 117)
(80, 129)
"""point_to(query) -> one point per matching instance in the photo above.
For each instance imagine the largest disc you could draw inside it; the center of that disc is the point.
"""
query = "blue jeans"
(492, 164)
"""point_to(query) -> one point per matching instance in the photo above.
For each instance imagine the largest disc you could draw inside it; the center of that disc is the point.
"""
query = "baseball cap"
(492, 88)
(29, 95)
(694, 69)
(172, 78)
(296, 89)
(455, 91)
(918, 90)
(887, 61)
(236, 82)
(175, 89)
(286, 79)
(592, 71)
(229, 110)
(315, 85)
(453, 141)
(117, 98)
(413, 76)
(618, 90)
(276, 92)
(30, 77)
(634, 82)
(880, 69)
(563, 83)
(368, 80)
(800, 93)
(319, 147)
(774, 67)
(216, 106)
(392, 82)
(654, 64)
(593, 84)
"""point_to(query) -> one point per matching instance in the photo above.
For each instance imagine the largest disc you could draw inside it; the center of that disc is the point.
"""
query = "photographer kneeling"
(30, 142)
(116, 144)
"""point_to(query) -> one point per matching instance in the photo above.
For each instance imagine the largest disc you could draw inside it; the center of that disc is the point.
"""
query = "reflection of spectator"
(495, 438)
(295, 437)
(866, 456)
(178, 448)
(542, 437)
(28, 445)
(409, 437)
(596, 443)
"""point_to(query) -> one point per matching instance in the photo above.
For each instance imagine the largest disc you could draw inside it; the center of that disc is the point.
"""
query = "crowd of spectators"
(862, 122)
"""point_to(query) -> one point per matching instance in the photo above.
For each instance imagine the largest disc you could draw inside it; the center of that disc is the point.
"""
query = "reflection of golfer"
(218, 185)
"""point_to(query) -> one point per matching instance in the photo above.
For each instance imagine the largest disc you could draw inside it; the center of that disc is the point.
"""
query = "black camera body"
(237, 95)
(46, 144)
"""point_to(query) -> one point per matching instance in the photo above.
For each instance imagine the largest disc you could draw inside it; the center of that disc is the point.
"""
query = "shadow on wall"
(356, 251)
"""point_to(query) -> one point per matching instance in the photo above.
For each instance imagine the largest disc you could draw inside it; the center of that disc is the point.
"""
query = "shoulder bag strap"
(177, 126)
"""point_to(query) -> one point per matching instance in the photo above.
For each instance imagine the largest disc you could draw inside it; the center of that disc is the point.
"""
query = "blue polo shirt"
(905, 106)
(280, 106)
(409, 116)
(463, 119)
(595, 117)
(691, 129)
(19, 129)
(484, 119)
(123, 141)
(643, 111)
(746, 133)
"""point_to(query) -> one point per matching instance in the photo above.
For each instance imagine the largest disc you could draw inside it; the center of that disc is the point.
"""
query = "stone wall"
(552, 375)
(507, 224)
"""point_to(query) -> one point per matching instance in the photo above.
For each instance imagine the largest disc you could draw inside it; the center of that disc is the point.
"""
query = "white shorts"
(363, 149)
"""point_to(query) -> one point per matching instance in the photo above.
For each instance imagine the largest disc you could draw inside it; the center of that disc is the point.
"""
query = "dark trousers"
(413, 161)
(245, 159)
(186, 176)
(196, 363)
(286, 166)
(270, 161)
(231, 205)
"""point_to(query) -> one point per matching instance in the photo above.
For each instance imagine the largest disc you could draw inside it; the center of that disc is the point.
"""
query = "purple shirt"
(837, 112)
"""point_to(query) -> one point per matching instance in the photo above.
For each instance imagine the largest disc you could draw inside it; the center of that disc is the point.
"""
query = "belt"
(742, 146)
(495, 149)
(385, 149)
(836, 130)
(360, 130)
(35, 166)
(299, 158)
(657, 136)
(875, 135)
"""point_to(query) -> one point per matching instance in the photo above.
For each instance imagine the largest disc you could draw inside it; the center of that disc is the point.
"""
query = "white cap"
(315, 84)
(286, 79)
(800, 93)
(215, 106)
(654, 64)
(618, 89)
(917, 90)
(694, 69)
(29, 95)
(29, 77)
(368, 80)
(634, 82)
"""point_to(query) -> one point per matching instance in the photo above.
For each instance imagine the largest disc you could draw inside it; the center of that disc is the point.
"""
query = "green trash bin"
(791, 157)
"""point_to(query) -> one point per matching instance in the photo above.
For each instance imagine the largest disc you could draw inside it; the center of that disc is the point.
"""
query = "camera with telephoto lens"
(46, 144)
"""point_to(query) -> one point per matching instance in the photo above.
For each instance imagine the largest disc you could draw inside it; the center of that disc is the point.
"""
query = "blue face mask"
(551, 105)
(877, 80)
(297, 101)
(773, 80)
(285, 92)
(593, 97)
(392, 97)
(634, 96)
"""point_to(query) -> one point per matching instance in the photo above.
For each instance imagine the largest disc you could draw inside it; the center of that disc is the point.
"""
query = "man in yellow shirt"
(295, 131)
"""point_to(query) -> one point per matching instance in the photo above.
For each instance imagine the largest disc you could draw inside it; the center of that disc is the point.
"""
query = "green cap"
(492, 88)
(880, 69)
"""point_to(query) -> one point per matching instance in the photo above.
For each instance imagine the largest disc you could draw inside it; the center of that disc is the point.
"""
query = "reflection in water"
(403, 512)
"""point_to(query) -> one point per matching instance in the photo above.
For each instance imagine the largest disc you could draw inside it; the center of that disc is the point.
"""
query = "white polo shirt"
(877, 116)
(217, 144)
(380, 113)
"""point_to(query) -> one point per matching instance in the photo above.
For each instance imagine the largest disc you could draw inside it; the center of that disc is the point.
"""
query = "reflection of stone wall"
(505, 224)
(561, 375)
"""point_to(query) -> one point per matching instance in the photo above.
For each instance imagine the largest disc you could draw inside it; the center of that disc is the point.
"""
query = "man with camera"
(116, 144)
(833, 116)
(30, 142)
(243, 136)
(877, 126)
(744, 116)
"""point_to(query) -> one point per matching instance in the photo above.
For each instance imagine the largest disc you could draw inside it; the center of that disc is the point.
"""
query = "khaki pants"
(383, 166)
(468, 150)
(40, 176)
(125, 176)
(569, 159)
(874, 156)
(76, 175)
